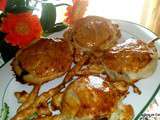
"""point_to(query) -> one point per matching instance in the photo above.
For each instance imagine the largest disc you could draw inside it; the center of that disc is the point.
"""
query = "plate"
(149, 86)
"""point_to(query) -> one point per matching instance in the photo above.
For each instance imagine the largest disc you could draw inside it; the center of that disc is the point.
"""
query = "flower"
(21, 28)
(3, 4)
(76, 11)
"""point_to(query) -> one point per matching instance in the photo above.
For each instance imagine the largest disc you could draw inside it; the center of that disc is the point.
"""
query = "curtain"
(151, 15)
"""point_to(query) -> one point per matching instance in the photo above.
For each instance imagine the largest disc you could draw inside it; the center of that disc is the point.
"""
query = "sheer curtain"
(151, 15)
(145, 12)
(129, 10)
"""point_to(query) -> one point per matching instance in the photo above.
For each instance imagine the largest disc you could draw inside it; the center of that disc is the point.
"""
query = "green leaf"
(20, 9)
(15, 3)
(20, 2)
(58, 27)
(62, 4)
(33, 116)
(11, 3)
(17, 6)
(4, 112)
(48, 16)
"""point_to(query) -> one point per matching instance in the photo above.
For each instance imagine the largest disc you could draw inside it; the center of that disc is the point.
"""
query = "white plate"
(149, 86)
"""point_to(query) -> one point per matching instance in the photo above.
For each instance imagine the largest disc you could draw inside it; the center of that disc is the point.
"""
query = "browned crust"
(123, 112)
(93, 33)
(42, 61)
(131, 56)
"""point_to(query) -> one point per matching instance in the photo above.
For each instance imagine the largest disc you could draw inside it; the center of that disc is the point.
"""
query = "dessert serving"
(97, 73)
(132, 60)
(42, 61)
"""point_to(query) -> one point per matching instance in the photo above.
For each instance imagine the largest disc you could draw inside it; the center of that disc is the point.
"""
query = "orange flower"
(3, 4)
(21, 28)
(76, 11)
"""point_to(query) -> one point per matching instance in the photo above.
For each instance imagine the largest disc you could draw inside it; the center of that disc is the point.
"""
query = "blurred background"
(144, 12)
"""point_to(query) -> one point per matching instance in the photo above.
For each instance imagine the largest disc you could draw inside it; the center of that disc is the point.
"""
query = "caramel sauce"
(91, 96)
(46, 57)
(131, 55)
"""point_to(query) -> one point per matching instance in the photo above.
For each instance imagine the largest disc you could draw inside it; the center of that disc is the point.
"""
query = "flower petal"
(21, 28)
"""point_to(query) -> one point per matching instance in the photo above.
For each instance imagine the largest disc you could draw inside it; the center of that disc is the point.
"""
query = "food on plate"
(124, 112)
(91, 35)
(38, 106)
(42, 61)
(90, 98)
(21, 96)
(30, 99)
(98, 73)
(131, 60)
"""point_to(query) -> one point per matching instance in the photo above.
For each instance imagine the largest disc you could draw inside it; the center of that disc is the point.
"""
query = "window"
(129, 10)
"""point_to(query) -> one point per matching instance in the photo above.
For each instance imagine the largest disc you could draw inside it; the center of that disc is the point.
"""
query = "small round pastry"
(91, 36)
(89, 98)
(133, 58)
(93, 33)
(42, 61)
